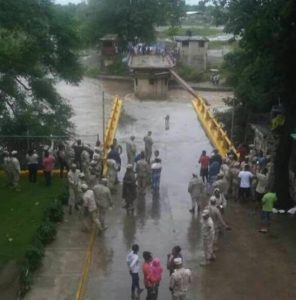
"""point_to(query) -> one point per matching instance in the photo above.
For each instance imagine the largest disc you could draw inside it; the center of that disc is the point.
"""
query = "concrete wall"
(153, 88)
(194, 55)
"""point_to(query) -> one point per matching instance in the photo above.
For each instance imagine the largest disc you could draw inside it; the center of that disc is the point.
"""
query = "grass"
(21, 214)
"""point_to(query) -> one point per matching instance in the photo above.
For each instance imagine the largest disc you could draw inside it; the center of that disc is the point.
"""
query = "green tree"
(37, 46)
(263, 69)
(132, 19)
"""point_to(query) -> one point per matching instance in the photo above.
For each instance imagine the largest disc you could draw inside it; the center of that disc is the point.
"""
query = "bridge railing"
(213, 129)
(111, 130)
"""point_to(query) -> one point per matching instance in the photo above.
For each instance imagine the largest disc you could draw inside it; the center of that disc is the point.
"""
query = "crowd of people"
(90, 191)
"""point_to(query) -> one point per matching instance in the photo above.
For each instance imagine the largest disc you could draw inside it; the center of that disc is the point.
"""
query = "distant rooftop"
(193, 38)
(109, 37)
(150, 62)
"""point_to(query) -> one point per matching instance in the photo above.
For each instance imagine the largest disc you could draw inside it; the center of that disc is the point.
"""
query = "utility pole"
(103, 111)
(232, 120)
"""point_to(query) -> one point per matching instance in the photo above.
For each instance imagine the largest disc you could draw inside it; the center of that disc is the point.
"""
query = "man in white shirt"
(245, 183)
(133, 264)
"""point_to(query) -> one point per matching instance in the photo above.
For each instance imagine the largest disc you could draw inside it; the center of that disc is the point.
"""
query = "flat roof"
(193, 38)
(150, 62)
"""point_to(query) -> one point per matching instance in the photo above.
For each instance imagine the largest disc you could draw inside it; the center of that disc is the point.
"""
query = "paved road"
(158, 225)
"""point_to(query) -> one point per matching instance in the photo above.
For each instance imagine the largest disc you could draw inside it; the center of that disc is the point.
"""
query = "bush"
(46, 232)
(55, 213)
(34, 255)
(26, 281)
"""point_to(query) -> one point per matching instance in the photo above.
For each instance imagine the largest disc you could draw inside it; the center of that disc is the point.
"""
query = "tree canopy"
(132, 19)
(262, 70)
(38, 44)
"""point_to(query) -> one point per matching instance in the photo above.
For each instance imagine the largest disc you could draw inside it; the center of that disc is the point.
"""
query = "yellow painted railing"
(111, 129)
(213, 129)
(108, 140)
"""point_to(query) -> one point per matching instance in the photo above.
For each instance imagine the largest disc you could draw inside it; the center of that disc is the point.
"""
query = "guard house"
(109, 45)
(151, 75)
(193, 50)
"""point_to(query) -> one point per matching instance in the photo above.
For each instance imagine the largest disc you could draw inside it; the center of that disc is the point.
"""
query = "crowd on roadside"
(91, 186)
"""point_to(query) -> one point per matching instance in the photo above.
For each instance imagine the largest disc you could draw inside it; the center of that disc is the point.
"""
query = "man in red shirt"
(204, 166)
(48, 165)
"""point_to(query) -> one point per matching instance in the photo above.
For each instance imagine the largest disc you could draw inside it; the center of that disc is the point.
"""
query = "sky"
(78, 1)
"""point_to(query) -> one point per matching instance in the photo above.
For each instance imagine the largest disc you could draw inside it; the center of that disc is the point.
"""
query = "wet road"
(158, 224)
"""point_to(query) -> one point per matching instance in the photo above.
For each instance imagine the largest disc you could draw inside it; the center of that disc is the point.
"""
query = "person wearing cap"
(155, 175)
(148, 146)
(73, 180)
(208, 235)
(81, 181)
(103, 199)
(129, 188)
(175, 253)
(180, 280)
(195, 189)
(7, 167)
(219, 187)
(85, 162)
(131, 150)
(15, 170)
(217, 218)
(142, 170)
(90, 209)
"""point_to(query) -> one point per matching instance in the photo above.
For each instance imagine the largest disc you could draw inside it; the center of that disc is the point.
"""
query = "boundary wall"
(213, 129)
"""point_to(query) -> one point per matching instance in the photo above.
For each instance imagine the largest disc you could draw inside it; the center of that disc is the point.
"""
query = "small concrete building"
(192, 50)
(109, 49)
(151, 75)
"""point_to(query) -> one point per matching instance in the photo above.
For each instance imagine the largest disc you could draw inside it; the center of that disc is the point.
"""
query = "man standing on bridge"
(103, 200)
(142, 170)
(131, 150)
(148, 146)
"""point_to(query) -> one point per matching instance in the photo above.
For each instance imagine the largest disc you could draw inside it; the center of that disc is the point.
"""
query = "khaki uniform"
(112, 173)
(235, 182)
(90, 213)
(142, 170)
(208, 235)
(217, 218)
(15, 171)
(73, 180)
(7, 167)
(148, 147)
(85, 164)
(195, 189)
(103, 200)
(131, 150)
(221, 185)
(179, 283)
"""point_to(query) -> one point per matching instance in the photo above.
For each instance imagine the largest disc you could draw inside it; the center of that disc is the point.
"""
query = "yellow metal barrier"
(111, 130)
(108, 140)
(213, 129)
